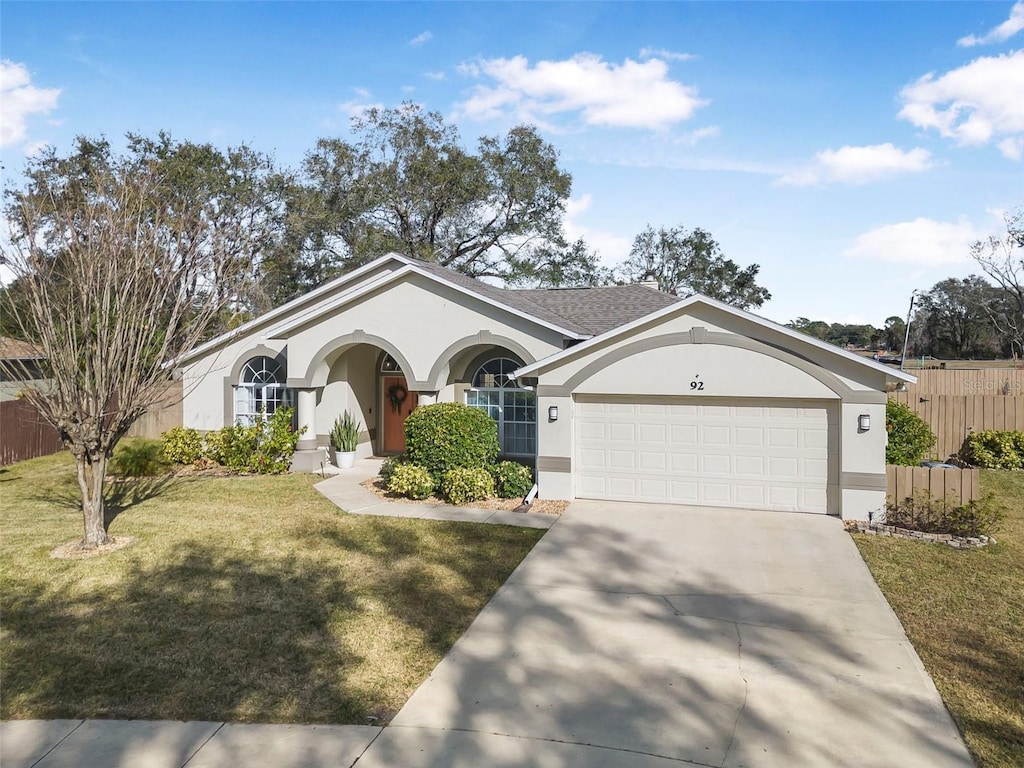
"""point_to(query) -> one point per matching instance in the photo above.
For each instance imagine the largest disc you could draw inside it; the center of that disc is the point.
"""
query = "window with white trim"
(511, 406)
(261, 388)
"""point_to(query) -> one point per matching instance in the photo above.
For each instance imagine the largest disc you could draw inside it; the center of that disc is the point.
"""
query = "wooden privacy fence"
(24, 434)
(975, 381)
(953, 417)
(162, 417)
(958, 486)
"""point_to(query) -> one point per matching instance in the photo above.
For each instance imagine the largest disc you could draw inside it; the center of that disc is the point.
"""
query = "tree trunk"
(92, 470)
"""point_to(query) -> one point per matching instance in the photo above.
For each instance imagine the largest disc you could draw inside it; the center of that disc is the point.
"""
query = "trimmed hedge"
(511, 479)
(182, 445)
(446, 436)
(910, 437)
(994, 449)
(462, 485)
(266, 447)
(411, 481)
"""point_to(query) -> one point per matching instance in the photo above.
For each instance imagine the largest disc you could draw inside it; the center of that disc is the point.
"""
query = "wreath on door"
(397, 393)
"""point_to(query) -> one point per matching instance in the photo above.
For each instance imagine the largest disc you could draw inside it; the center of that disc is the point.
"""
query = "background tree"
(1002, 259)
(817, 328)
(684, 262)
(560, 265)
(121, 270)
(406, 184)
(955, 321)
(894, 332)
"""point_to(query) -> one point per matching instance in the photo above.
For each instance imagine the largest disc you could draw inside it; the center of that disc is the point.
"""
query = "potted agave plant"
(344, 438)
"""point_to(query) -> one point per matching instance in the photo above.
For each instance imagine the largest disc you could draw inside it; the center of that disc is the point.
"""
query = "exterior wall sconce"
(864, 422)
(552, 413)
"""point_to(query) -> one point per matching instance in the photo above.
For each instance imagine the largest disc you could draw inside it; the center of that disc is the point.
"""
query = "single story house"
(620, 392)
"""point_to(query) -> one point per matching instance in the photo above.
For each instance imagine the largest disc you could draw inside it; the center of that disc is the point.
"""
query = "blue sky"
(853, 150)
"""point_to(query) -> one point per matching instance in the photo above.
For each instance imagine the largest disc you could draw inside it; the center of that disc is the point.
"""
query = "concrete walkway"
(345, 489)
(632, 635)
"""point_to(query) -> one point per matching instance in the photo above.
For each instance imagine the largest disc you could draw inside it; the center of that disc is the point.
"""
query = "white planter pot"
(345, 460)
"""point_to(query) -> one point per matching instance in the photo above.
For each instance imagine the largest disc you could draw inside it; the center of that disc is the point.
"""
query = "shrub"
(410, 481)
(138, 458)
(445, 436)
(387, 467)
(924, 513)
(511, 479)
(910, 437)
(994, 449)
(182, 445)
(266, 447)
(462, 484)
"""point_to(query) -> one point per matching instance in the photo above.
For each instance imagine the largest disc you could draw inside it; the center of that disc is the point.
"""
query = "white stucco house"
(621, 393)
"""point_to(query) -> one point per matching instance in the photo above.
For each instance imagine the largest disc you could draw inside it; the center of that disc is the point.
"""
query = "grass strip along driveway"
(248, 599)
(964, 613)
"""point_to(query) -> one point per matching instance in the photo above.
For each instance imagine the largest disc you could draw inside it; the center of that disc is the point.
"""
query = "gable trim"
(680, 308)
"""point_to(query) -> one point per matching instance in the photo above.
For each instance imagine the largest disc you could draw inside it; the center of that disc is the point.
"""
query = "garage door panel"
(725, 455)
(713, 435)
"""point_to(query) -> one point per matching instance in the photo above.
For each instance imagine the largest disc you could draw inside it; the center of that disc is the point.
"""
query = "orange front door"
(397, 402)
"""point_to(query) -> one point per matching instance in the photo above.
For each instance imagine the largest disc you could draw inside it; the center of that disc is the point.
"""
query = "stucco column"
(307, 419)
(426, 398)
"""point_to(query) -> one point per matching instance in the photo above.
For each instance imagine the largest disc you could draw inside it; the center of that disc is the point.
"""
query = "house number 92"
(696, 385)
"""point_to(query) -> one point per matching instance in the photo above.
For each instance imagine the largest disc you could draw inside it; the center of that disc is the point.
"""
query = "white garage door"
(719, 455)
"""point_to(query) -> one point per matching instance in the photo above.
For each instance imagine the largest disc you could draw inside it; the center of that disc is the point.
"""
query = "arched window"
(514, 408)
(261, 388)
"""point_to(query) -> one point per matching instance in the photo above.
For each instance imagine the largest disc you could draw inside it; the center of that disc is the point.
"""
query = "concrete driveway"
(639, 635)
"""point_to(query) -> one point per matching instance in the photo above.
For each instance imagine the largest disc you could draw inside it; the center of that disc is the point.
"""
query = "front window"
(511, 406)
(261, 388)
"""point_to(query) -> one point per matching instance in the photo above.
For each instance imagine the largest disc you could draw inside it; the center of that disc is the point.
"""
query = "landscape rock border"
(881, 529)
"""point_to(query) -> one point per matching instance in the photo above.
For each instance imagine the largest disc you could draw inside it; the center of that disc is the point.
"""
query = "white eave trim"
(681, 306)
(284, 309)
(410, 268)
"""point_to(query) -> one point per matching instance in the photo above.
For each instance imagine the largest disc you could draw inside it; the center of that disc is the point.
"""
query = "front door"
(397, 402)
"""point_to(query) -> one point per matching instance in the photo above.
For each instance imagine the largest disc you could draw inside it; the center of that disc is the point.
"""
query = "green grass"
(248, 599)
(964, 613)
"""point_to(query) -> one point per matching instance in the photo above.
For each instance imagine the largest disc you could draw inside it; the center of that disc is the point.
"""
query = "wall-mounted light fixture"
(864, 422)
(552, 413)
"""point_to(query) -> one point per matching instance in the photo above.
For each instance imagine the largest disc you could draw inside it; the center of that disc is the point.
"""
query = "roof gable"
(795, 340)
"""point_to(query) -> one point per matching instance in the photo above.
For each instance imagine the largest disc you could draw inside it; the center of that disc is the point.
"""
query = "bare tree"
(118, 274)
(1002, 259)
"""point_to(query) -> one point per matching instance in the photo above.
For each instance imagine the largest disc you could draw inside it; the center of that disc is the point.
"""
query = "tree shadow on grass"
(202, 637)
(119, 495)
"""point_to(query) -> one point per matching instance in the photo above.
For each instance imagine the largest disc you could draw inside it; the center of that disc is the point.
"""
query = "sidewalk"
(171, 744)
(344, 489)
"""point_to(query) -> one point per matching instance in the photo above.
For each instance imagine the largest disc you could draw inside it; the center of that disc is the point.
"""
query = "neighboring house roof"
(16, 349)
(682, 306)
(602, 308)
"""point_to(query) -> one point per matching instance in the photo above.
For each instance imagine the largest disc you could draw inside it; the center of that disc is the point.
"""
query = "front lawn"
(248, 599)
(964, 613)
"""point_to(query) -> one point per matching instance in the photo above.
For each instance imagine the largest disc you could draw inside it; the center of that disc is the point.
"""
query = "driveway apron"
(649, 635)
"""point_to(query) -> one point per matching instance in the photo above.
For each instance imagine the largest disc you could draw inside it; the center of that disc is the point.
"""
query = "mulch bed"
(544, 506)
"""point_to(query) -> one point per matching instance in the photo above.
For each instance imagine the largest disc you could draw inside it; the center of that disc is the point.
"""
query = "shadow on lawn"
(119, 495)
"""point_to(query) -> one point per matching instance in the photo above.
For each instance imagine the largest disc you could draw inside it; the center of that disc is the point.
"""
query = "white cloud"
(20, 99)
(974, 104)
(355, 108)
(435, 75)
(922, 241)
(628, 95)
(859, 165)
(611, 249)
(421, 38)
(1001, 33)
(707, 132)
(661, 53)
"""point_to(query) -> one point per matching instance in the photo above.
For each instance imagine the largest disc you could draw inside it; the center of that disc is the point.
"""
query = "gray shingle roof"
(584, 311)
(602, 308)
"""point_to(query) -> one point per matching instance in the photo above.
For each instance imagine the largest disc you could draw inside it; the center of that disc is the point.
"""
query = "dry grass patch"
(963, 611)
(248, 599)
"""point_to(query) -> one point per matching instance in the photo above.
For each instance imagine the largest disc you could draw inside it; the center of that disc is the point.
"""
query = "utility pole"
(906, 336)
